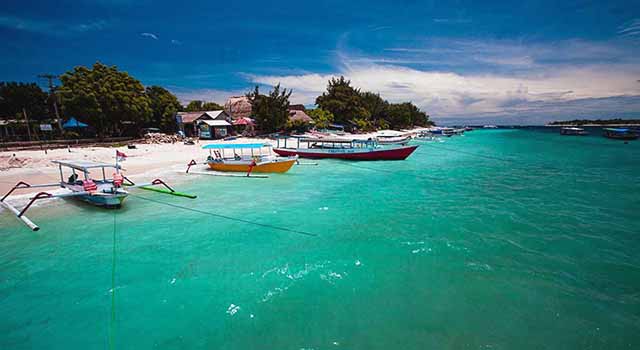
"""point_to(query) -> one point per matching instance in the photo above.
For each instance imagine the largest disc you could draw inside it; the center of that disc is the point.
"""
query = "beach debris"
(158, 137)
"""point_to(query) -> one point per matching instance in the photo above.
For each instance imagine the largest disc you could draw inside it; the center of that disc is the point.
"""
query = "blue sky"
(528, 62)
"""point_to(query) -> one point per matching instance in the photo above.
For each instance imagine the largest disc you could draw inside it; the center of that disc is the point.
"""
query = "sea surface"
(498, 239)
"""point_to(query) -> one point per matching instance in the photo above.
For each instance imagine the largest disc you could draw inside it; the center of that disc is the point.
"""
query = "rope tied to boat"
(274, 227)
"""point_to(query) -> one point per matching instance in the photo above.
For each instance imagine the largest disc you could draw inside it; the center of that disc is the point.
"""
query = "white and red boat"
(344, 149)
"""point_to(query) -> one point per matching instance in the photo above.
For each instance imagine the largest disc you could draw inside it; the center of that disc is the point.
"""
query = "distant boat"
(490, 127)
(619, 133)
(392, 138)
(448, 132)
(344, 149)
(573, 131)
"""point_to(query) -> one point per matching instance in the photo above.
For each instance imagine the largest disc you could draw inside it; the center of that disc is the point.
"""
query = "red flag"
(121, 156)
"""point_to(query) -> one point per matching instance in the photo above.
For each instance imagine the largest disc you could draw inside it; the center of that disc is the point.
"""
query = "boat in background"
(619, 133)
(573, 131)
(390, 137)
(344, 149)
(254, 161)
(490, 127)
(448, 132)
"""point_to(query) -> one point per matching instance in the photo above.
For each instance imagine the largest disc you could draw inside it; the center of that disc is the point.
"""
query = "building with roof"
(205, 124)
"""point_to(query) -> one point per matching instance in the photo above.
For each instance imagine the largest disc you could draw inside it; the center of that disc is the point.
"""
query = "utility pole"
(24, 113)
(52, 91)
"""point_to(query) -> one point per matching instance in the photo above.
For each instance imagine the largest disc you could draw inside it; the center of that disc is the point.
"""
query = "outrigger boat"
(106, 193)
(392, 138)
(344, 149)
(573, 131)
(620, 133)
(239, 162)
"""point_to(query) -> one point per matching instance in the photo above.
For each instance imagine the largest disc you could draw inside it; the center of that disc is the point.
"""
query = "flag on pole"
(120, 156)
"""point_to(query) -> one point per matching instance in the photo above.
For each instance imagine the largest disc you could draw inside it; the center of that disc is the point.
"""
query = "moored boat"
(105, 192)
(345, 149)
(392, 138)
(573, 131)
(619, 133)
(253, 161)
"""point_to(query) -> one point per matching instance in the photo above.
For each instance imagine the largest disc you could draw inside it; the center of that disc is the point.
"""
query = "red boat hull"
(398, 153)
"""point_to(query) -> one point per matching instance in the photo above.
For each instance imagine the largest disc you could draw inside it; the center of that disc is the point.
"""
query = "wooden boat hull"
(105, 201)
(394, 140)
(397, 153)
(266, 167)
(626, 137)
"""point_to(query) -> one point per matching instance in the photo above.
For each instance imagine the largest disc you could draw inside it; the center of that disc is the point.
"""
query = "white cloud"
(630, 29)
(584, 73)
(51, 27)
(150, 35)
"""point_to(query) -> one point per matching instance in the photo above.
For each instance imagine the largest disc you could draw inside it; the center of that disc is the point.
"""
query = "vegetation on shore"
(616, 121)
(114, 103)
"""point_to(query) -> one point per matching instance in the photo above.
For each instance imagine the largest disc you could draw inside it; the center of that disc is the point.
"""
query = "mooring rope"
(470, 153)
(279, 228)
(113, 289)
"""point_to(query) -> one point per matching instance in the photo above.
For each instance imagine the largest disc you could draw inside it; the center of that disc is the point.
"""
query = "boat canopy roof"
(617, 129)
(332, 140)
(84, 165)
(235, 145)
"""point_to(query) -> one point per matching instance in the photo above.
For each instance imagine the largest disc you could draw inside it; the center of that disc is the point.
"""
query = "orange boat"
(255, 161)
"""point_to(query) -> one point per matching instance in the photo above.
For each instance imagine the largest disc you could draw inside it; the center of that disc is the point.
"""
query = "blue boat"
(620, 133)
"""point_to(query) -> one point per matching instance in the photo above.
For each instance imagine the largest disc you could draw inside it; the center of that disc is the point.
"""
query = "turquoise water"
(505, 239)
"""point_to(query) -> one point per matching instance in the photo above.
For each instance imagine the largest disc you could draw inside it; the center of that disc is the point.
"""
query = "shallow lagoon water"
(500, 239)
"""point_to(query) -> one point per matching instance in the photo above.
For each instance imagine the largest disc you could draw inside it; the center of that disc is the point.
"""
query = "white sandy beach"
(143, 164)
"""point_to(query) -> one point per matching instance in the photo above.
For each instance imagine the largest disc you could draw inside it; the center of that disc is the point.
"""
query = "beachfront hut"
(205, 124)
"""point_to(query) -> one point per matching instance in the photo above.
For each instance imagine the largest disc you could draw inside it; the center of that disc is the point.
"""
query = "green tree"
(271, 111)
(104, 97)
(15, 96)
(375, 105)
(212, 106)
(199, 105)
(343, 101)
(321, 118)
(164, 106)
(406, 115)
(194, 106)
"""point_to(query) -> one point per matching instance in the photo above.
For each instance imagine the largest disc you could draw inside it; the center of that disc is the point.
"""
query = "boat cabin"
(326, 143)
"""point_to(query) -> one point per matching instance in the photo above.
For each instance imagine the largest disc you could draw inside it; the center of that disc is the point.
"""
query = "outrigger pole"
(41, 195)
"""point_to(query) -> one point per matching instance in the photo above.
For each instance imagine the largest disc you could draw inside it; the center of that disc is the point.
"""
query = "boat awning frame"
(85, 165)
(235, 145)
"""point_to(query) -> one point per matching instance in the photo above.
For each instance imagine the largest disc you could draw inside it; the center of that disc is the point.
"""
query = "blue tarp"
(234, 145)
(73, 123)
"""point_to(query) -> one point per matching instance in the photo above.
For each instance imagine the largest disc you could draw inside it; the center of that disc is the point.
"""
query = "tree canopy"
(164, 106)
(199, 105)
(343, 101)
(321, 118)
(271, 111)
(104, 97)
(367, 110)
(15, 96)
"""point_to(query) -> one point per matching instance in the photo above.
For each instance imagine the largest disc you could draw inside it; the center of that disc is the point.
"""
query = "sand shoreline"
(145, 163)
